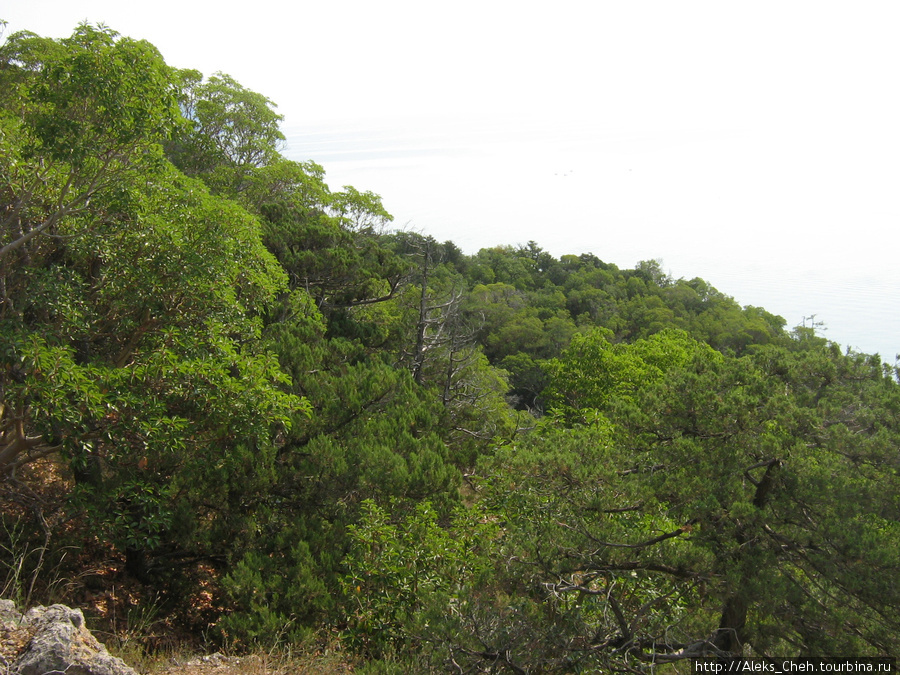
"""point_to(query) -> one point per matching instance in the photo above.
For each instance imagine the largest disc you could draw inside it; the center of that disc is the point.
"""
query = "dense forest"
(237, 400)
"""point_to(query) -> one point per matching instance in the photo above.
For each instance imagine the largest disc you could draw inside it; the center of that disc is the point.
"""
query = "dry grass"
(319, 662)
(258, 665)
(15, 639)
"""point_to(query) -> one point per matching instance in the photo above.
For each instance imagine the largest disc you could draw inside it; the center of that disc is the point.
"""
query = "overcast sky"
(626, 66)
(756, 144)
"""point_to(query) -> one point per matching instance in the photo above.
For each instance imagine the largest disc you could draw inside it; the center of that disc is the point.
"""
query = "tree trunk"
(729, 636)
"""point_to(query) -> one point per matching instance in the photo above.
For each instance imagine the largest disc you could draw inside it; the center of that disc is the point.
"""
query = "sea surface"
(743, 212)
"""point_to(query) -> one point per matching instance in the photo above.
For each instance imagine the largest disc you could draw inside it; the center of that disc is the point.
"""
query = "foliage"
(130, 345)
(724, 510)
(403, 576)
(230, 131)
(215, 367)
(593, 373)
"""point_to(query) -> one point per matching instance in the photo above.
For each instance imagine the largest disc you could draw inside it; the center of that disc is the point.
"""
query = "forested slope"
(247, 399)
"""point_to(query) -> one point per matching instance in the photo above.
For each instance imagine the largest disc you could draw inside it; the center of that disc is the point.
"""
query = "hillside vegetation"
(236, 404)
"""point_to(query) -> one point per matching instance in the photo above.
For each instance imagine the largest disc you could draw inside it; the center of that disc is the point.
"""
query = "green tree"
(329, 243)
(593, 373)
(725, 506)
(230, 132)
(404, 571)
(78, 113)
(443, 355)
(130, 342)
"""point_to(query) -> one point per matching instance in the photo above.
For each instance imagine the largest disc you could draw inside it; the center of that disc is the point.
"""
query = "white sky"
(756, 145)
(627, 66)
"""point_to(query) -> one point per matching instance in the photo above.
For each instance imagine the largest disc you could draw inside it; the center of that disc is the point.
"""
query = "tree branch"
(643, 544)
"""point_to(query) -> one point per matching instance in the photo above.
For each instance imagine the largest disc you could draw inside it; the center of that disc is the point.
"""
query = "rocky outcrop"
(52, 641)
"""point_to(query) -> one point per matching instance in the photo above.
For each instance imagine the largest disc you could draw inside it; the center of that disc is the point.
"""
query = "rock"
(14, 634)
(62, 644)
(8, 613)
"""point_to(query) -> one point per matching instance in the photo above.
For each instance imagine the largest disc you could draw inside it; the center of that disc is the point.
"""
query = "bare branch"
(643, 544)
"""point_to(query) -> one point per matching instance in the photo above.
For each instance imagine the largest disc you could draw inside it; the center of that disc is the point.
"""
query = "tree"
(443, 355)
(231, 131)
(593, 373)
(724, 506)
(77, 114)
(403, 570)
(130, 337)
(329, 243)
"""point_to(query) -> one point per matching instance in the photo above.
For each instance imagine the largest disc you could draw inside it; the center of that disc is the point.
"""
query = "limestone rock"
(62, 644)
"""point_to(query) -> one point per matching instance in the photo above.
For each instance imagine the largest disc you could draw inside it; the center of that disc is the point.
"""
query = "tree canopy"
(245, 397)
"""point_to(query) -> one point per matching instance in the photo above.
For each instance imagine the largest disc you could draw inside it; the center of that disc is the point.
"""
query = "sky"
(755, 145)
